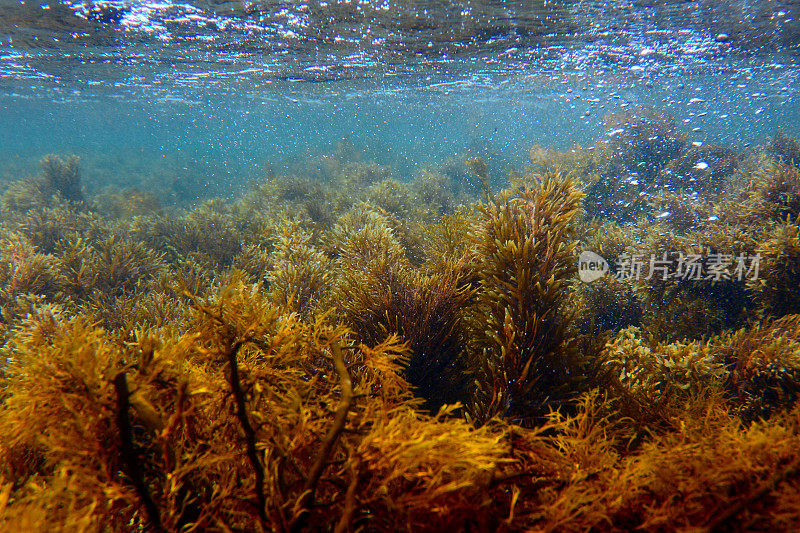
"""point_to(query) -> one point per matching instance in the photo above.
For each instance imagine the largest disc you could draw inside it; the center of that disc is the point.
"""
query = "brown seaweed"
(526, 243)
(294, 359)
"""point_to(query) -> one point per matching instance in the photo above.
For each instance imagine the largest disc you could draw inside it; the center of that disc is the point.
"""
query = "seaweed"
(701, 168)
(128, 203)
(784, 148)
(361, 174)
(621, 172)
(111, 266)
(447, 244)
(24, 270)
(299, 280)
(27, 278)
(477, 165)
(608, 303)
(520, 347)
(256, 260)
(605, 305)
(775, 287)
(206, 235)
(58, 181)
(585, 163)
(341, 350)
(63, 177)
(392, 197)
(776, 192)
(764, 365)
(434, 193)
(642, 142)
(679, 279)
(654, 381)
(162, 434)
(682, 210)
(48, 227)
(729, 479)
(379, 293)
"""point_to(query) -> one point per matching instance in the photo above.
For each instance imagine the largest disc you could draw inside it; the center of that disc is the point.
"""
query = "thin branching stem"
(343, 524)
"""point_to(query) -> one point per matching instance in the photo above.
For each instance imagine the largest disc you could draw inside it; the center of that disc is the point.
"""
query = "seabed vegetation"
(341, 351)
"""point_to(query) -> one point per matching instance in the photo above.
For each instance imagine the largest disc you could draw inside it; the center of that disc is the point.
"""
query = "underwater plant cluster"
(340, 350)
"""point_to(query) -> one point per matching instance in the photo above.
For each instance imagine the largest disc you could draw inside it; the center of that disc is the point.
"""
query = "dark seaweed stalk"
(249, 432)
(131, 465)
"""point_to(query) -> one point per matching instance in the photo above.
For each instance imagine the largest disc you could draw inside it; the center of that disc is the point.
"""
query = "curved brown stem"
(249, 432)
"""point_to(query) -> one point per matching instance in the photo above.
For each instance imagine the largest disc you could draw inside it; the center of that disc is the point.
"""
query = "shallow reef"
(342, 350)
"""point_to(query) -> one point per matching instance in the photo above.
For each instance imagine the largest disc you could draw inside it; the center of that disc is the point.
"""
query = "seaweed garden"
(587, 324)
(351, 352)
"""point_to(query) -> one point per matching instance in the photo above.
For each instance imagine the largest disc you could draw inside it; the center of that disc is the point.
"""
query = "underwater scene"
(374, 265)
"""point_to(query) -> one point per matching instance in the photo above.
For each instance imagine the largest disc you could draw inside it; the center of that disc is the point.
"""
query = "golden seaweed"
(526, 244)
(340, 350)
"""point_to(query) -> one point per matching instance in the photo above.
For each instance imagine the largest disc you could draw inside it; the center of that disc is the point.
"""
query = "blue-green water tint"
(219, 91)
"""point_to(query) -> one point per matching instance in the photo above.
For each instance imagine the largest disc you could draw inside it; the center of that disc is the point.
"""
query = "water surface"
(221, 91)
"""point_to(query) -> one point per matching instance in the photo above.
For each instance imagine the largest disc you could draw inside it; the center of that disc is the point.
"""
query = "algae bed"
(381, 267)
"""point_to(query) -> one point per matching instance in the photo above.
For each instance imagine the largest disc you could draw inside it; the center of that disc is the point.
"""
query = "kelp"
(447, 241)
(433, 193)
(24, 270)
(607, 304)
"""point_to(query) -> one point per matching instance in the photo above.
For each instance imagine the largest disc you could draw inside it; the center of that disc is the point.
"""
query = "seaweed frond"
(775, 286)
(764, 364)
(299, 280)
(59, 180)
(785, 148)
(526, 257)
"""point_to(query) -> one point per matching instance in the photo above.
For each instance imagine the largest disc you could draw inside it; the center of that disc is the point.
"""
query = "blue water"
(221, 92)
